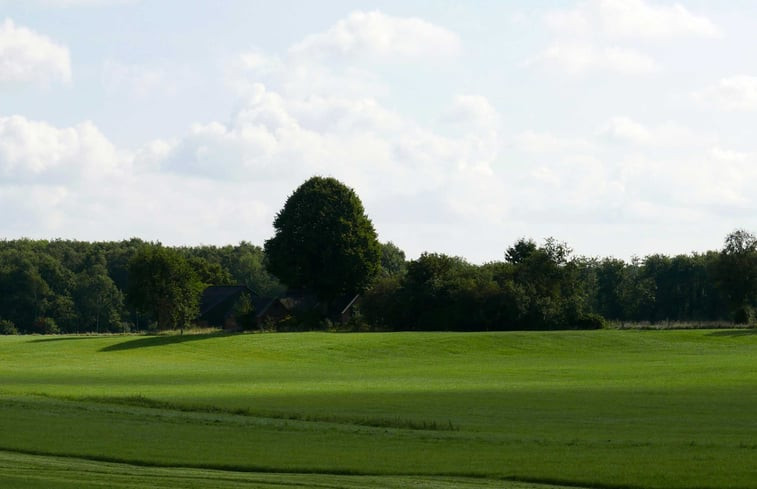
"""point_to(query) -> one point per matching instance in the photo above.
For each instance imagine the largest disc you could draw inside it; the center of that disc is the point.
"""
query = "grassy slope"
(610, 408)
(22, 471)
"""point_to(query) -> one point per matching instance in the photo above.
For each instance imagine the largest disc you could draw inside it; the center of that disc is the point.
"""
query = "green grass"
(23, 471)
(667, 409)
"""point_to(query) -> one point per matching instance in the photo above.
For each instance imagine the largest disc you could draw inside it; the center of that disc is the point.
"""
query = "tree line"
(546, 287)
(325, 244)
(64, 286)
(74, 287)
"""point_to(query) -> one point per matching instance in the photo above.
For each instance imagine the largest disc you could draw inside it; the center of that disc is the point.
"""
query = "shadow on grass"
(156, 341)
(62, 338)
(735, 332)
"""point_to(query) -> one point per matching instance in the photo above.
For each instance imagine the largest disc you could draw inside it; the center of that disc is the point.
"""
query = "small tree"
(324, 242)
(163, 285)
(7, 327)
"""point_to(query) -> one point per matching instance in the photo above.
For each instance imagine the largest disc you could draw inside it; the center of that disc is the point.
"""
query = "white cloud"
(32, 151)
(298, 77)
(589, 34)
(575, 21)
(427, 186)
(28, 57)
(631, 19)
(541, 142)
(273, 137)
(729, 155)
(473, 111)
(737, 93)
(175, 191)
(375, 34)
(296, 117)
(641, 19)
(577, 58)
(668, 134)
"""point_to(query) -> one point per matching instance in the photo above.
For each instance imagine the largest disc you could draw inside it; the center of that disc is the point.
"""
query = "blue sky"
(624, 127)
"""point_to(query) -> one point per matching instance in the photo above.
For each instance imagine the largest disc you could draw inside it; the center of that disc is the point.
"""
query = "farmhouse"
(228, 306)
(339, 310)
(239, 307)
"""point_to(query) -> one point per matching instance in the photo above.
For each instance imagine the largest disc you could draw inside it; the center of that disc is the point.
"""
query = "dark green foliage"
(522, 249)
(438, 292)
(545, 287)
(324, 242)
(550, 280)
(7, 327)
(590, 321)
(98, 302)
(242, 264)
(743, 315)
(393, 262)
(163, 284)
(382, 304)
(45, 325)
(81, 286)
(737, 273)
(210, 273)
(244, 312)
(77, 287)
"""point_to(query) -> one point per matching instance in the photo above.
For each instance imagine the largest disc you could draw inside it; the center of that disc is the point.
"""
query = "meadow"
(639, 409)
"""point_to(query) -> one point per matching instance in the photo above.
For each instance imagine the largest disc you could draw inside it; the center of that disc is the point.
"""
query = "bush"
(591, 321)
(7, 327)
(46, 326)
(743, 315)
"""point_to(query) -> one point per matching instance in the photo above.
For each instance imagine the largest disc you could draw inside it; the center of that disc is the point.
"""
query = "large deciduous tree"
(324, 241)
(163, 284)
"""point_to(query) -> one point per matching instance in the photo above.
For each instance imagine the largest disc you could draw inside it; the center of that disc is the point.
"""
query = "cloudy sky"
(624, 127)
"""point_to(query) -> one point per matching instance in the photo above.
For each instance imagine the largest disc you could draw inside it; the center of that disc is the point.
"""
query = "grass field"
(667, 409)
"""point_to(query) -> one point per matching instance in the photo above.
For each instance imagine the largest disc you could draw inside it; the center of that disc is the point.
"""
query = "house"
(343, 307)
(227, 306)
(239, 307)
(298, 301)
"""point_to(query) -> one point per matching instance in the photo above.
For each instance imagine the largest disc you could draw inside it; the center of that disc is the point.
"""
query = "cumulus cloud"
(632, 19)
(376, 34)
(29, 57)
(729, 155)
(577, 58)
(426, 185)
(175, 190)
(736, 93)
(640, 19)
(544, 142)
(473, 111)
(624, 129)
(591, 36)
(273, 137)
(34, 151)
(295, 118)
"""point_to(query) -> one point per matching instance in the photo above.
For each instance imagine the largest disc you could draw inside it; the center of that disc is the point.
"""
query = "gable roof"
(217, 294)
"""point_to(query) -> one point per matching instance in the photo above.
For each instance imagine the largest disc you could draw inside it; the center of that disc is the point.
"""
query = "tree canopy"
(324, 241)
(62, 286)
(163, 284)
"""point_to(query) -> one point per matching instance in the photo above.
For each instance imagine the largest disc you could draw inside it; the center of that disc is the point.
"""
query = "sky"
(621, 127)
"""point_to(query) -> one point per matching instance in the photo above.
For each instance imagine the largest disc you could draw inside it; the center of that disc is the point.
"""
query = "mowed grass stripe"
(26, 471)
(600, 408)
